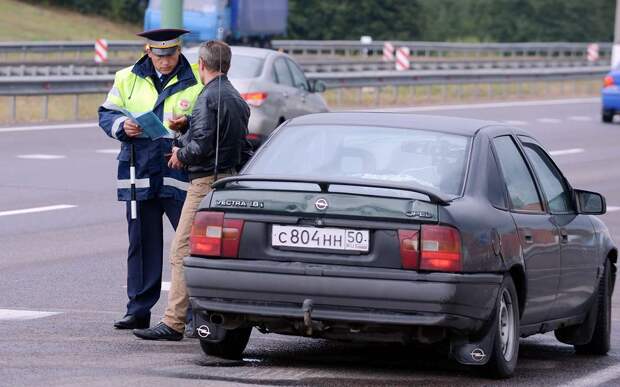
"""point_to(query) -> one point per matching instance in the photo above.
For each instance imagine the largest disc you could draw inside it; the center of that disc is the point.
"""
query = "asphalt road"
(62, 274)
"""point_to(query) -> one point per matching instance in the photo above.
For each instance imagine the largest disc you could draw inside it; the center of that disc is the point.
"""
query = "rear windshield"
(425, 158)
(242, 66)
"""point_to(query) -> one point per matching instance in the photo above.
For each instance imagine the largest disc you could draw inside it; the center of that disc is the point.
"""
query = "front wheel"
(231, 347)
(600, 342)
(503, 361)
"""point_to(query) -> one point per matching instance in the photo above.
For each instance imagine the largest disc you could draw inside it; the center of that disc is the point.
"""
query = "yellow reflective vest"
(135, 90)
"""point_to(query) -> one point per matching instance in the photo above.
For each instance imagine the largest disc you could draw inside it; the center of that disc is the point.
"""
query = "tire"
(607, 115)
(504, 356)
(231, 347)
(600, 342)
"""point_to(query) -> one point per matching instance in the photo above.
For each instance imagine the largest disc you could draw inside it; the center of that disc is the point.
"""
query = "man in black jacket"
(206, 156)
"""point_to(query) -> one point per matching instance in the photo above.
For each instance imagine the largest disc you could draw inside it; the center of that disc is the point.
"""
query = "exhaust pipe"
(216, 318)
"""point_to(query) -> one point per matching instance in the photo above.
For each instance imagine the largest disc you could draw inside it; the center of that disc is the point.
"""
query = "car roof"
(455, 125)
(252, 51)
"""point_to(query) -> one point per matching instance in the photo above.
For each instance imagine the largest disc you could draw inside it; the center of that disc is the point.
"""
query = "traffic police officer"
(164, 82)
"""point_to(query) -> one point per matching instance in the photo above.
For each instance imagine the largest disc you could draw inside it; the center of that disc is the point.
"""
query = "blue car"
(611, 95)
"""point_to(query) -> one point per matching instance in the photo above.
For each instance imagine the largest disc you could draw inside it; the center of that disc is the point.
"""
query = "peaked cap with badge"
(163, 41)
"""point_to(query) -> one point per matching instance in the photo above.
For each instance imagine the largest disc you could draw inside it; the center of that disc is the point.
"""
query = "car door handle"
(563, 236)
(528, 238)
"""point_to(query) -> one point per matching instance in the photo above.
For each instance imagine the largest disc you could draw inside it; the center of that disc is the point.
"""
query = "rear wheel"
(600, 342)
(231, 347)
(506, 345)
(607, 115)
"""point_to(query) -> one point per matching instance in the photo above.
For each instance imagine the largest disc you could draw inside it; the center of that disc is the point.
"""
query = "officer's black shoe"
(160, 331)
(131, 321)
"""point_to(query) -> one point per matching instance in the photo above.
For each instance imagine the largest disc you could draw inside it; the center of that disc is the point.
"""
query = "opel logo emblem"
(321, 204)
(478, 355)
(203, 331)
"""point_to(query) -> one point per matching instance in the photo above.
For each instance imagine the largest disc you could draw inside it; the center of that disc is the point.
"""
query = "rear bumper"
(610, 97)
(340, 293)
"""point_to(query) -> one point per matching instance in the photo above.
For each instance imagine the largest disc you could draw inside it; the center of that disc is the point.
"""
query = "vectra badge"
(321, 204)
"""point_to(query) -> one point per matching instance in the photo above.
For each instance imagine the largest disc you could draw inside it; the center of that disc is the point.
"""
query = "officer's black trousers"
(144, 258)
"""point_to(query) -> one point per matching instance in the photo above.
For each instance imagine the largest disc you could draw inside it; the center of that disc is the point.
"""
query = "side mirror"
(590, 203)
(317, 86)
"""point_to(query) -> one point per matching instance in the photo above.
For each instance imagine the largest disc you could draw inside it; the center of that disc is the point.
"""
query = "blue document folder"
(151, 126)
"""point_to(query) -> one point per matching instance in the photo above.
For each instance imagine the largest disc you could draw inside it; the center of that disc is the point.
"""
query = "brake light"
(254, 99)
(214, 236)
(253, 136)
(440, 249)
(409, 251)
(608, 81)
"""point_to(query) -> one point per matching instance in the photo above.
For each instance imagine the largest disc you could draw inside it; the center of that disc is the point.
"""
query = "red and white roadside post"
(593, 52)
(402, 59)
(388, 52)
(101, 50)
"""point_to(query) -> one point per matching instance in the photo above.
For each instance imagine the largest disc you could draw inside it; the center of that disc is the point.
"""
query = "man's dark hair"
(212, 52)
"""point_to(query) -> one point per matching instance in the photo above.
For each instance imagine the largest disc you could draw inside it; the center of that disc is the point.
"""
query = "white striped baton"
(402, 59)
(101, 50)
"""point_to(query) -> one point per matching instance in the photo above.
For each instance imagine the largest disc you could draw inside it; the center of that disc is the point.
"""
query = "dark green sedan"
(407, 229)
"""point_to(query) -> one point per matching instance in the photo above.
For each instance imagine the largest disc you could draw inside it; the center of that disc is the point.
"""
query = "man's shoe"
(160, 331)
(131, 321)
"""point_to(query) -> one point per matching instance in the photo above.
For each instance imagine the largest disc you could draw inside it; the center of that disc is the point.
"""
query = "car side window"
(550, 177)
(496, 190)
(283, 75)
(519, 181)
(299, 78)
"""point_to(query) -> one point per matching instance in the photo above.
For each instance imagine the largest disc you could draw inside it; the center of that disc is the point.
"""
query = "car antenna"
(217, 125)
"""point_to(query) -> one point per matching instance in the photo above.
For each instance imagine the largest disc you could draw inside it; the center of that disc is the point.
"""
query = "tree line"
(428, 20)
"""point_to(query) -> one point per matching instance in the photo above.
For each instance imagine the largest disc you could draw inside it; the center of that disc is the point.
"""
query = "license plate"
(320, 238)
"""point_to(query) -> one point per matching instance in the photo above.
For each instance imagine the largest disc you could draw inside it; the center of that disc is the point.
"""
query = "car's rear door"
(538, 234)
(285, 85)
(309, 102)
(577, 239)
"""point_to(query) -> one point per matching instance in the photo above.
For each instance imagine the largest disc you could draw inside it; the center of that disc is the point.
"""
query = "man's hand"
(177, 123)
(132, 129)
(174, 161)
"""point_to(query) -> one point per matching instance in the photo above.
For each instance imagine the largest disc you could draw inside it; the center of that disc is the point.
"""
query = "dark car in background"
(402, 228)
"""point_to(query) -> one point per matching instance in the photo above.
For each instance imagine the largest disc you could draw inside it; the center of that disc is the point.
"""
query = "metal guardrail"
(67, 46)
(68, 68)
(351, 48)
(19, 86)
(343, 47)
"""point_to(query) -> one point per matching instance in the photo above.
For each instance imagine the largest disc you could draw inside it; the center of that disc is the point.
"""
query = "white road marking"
(549, 120)
(41, 157)
(49, 127)
(514, 122)
(485, 105)
(563, 152)
(15, 315)
(580, 118)
(107, 151)
(36, 209)
(612, 208)
(596, 378)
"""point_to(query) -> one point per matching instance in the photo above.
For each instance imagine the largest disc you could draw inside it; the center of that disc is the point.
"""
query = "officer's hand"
(132, 129)
(174, 161)
(177, 123)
